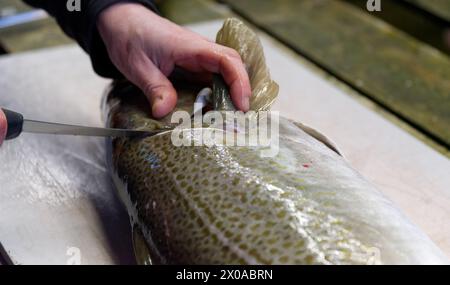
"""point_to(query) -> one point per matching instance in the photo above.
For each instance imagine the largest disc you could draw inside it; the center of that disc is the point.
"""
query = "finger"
(196, 35)
(234, 73)
(196, 77)
(155, 85)
(3, 126)
(219, 59)
(201, 77)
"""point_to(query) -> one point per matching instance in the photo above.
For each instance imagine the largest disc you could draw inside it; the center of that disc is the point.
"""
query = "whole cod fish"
(221, 204)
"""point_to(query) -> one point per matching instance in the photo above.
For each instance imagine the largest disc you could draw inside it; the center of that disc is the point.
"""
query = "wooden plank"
(34, 35)
(40, 34)
(186, 12)
(407, 77)
(440, 8)
(412, 20)
(13, 6)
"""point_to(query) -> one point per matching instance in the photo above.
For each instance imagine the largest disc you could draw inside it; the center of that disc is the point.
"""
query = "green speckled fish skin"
(230, 205)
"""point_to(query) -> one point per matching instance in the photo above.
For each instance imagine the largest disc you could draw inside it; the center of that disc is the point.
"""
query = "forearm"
(81, 26)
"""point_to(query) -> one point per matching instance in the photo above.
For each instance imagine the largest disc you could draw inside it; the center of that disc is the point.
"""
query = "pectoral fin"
(141, 249)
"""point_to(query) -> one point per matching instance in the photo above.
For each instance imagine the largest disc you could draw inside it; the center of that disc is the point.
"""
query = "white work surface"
(55, 193)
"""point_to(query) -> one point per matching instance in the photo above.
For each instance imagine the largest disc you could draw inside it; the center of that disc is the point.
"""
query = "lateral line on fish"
(314, 245)
(314, 248)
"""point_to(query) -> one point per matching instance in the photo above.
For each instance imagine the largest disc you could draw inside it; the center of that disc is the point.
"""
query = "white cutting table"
(56, 197)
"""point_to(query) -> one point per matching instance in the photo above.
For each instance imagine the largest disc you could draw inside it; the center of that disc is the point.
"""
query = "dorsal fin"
(318, 136)
(236, 35)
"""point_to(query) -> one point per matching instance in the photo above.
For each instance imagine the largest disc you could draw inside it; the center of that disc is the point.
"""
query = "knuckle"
(152, 89)
(235, 54)
(232, 53)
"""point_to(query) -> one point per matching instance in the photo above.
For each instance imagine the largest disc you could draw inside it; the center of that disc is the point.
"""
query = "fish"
(228, 204)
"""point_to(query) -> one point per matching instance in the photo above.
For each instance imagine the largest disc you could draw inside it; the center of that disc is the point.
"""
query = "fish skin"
(229, 205)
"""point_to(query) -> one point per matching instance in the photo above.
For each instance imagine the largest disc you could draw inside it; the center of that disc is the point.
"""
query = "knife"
(17, 124)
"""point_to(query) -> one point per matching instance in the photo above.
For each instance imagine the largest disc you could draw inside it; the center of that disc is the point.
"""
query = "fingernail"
(157, 106)
(245, 103)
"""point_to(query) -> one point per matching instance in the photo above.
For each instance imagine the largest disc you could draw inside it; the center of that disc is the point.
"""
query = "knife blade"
(38, 127)
(17, 124)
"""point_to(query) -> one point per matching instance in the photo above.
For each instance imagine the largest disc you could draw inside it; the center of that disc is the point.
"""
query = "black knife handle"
(15, 124)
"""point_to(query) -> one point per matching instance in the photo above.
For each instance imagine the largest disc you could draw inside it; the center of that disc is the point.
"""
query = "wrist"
(115, 12)
(124, 17)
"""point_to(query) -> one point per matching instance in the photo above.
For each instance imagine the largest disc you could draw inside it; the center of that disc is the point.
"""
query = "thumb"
(156, 87)
(3, 126)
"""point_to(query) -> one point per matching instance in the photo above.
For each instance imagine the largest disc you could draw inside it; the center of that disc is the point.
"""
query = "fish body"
(221, 204)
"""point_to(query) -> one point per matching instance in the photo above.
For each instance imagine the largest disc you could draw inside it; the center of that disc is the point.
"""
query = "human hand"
(146, 48)
(3, 126)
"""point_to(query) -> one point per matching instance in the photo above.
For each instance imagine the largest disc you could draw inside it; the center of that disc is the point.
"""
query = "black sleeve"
(81, 26)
